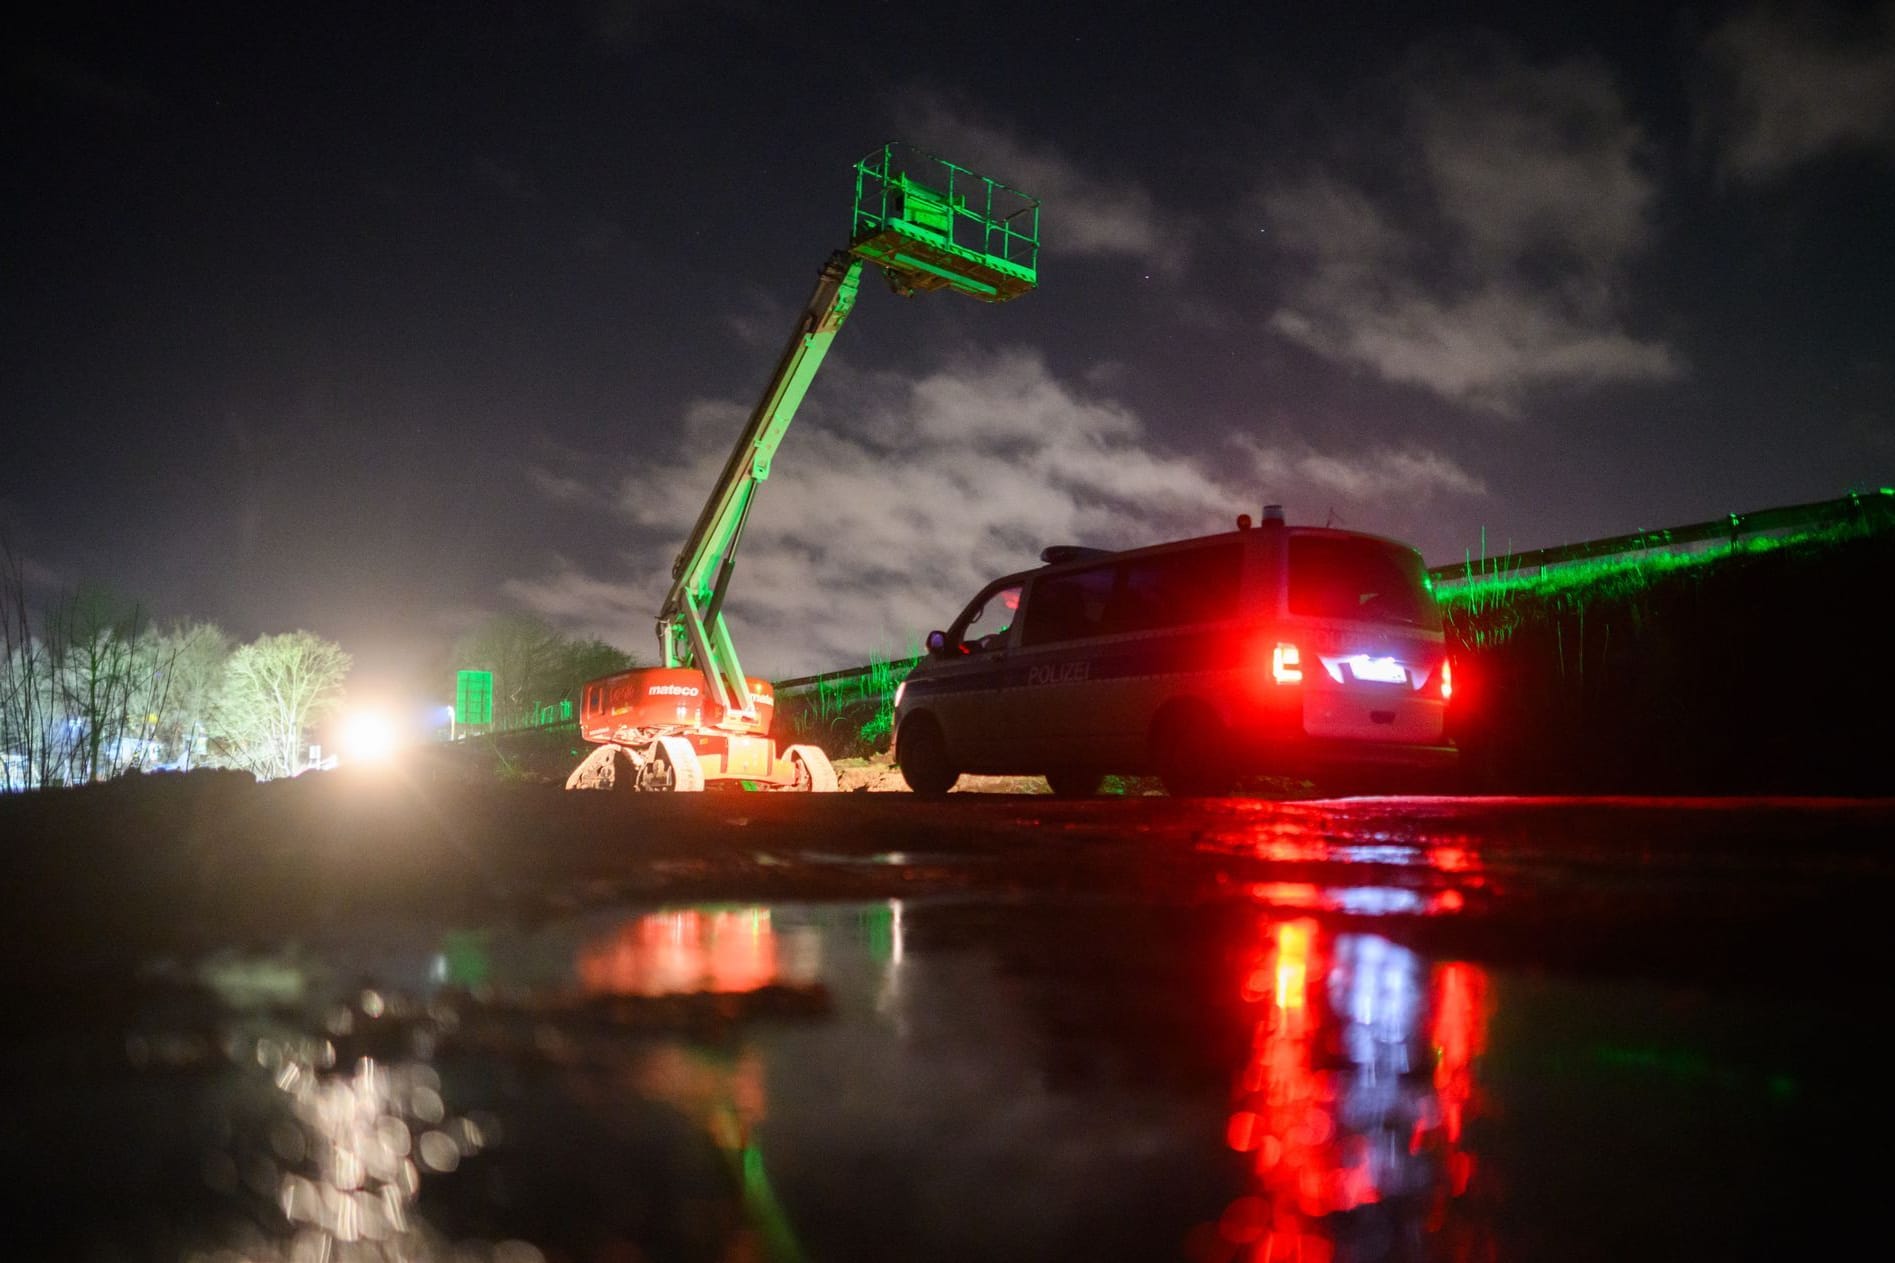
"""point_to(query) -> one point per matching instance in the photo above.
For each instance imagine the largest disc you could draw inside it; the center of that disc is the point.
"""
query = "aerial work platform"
(698, 720)
(932, 224)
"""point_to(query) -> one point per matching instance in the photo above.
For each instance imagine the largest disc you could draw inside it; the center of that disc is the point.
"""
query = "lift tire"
(607, 767)
(815, 774)
(1071, 783)
(673, 767)
(921, 753)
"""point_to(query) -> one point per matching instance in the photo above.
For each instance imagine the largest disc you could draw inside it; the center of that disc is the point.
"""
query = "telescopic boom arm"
(691, 628)
(927, 224)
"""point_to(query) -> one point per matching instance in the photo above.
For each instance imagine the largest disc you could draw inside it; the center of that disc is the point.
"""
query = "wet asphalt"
(399, 1021)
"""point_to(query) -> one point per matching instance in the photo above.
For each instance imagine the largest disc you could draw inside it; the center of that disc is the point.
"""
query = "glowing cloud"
(898, 496)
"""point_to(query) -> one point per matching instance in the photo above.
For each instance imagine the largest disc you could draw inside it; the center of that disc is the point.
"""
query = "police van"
(1270, 650)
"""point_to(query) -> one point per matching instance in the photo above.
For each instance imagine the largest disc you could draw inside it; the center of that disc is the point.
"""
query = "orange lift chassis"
(698, 721)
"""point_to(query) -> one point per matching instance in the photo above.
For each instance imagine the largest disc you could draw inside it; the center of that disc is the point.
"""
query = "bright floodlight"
(367, 737)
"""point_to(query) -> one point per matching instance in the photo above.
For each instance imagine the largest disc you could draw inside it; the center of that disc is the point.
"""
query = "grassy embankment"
(1756, 668)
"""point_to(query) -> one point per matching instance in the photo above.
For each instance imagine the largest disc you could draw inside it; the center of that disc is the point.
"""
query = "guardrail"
(849, 684)
(1874, 509)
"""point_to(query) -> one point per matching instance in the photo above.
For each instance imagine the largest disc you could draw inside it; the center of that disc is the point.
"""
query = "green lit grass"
(1485, 608)
(849, 712)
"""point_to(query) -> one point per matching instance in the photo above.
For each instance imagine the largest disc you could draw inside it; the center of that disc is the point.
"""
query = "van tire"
(1191, 751)
(921, 754)
(1068, 783)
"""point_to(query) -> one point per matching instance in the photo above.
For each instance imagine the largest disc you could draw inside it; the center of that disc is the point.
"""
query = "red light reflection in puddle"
(706, 951)
(683, 953)
(1329, 1108)
(1300, 834)
(1366, 900)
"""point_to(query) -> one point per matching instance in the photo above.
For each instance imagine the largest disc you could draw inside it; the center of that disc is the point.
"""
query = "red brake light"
(1447, 679)
(1286, 664)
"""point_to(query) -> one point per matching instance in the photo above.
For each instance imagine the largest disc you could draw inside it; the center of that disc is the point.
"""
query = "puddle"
(1262, 1077)
(897, 859)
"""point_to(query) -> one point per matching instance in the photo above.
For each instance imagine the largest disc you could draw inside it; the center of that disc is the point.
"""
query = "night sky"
(374, 320)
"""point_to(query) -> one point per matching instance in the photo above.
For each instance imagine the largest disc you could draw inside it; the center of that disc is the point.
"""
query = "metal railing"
(916, 212)
(1874, 509)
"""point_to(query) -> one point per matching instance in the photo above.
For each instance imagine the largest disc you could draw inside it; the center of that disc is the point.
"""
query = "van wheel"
(1192, 754)
(1067, 783)
(921, 753)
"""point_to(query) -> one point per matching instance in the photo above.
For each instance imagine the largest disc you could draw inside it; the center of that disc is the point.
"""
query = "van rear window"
(1363, 579)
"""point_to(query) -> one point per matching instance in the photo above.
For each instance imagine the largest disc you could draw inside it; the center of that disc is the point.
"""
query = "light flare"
(368, 736)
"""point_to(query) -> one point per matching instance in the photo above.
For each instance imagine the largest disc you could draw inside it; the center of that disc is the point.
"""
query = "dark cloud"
(1794, 83)
(1097, 215)
(1497, 259)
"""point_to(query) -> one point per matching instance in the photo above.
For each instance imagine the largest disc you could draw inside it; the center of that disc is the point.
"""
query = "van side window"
(1068, 606)
(985, 627)
(1177, 589)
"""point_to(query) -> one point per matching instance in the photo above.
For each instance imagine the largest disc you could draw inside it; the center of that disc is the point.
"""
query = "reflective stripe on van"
(1165, 653)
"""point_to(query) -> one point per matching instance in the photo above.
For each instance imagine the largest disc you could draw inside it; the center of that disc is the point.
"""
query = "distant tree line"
(90, 689)
(535, 667)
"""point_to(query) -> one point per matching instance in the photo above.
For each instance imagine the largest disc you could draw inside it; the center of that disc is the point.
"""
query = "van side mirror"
(938, 643)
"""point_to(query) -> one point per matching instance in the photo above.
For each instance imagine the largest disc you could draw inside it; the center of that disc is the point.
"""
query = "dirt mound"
(877, 774)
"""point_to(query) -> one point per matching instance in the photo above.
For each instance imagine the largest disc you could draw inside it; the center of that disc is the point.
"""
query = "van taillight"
(1447, 679)
(1286, 664)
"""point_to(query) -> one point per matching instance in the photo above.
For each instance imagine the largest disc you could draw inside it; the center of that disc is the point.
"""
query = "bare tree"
(583, 660)
(24, 682)
(196, 654)
(83, 684)
(579, 661)
(523, 653)
(274, 689)
(111, 682)
(534, 666)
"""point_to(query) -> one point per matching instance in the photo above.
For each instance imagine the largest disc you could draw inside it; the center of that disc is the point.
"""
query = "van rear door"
(1370, 639)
